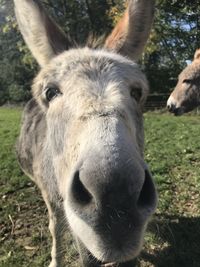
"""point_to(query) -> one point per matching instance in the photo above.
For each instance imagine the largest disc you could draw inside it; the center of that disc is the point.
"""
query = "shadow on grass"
(182, 238)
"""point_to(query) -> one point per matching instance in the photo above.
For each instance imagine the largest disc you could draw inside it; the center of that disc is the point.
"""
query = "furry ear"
(132, 31)
(197, 55)
(43, 37)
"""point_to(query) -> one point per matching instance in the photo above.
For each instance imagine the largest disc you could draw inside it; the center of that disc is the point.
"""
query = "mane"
(94, 41)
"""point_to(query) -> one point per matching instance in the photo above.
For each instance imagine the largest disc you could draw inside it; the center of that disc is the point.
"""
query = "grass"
(173, 153)
(173, 237)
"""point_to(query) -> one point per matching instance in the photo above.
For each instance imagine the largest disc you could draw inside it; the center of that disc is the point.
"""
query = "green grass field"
(173, 236)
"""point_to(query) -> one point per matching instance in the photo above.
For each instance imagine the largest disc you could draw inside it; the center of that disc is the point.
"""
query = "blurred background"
(174, 39)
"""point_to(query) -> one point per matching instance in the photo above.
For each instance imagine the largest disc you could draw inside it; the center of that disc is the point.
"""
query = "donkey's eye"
(187, 81)
(51, 92)
(136, 93)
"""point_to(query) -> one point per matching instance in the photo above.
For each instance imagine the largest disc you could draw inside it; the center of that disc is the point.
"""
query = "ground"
(173, 236)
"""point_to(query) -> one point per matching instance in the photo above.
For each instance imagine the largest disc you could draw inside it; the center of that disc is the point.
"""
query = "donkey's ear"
(197, 55)
(43, 37)
(132, 31)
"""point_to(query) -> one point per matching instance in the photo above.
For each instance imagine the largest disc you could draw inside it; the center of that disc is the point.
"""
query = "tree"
(77, 18)
(17, 66)
(173, 41)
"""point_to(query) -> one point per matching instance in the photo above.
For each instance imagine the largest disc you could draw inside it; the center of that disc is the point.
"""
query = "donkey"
(186, 95)
(82, 137)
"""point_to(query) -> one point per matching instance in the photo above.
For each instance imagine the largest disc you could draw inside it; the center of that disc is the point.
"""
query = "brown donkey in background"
(82, 136)
(186, 95)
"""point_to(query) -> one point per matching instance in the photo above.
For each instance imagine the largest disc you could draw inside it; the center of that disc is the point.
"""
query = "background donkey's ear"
(197, 55)
(43, 37)
(132, 31)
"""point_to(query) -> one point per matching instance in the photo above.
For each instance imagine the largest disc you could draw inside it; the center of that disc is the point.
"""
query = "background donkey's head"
(186, 95)
(92, 150)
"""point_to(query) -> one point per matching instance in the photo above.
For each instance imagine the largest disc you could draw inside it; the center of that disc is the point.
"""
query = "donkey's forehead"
(87, 54)
(84, 60)
(190, 72)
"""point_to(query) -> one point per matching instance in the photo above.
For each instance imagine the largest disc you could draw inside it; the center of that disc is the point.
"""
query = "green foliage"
(174, 38)
(80, 18)
(17, 93)
(17, 66)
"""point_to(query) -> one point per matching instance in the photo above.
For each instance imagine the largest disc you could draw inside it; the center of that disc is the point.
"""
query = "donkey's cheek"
(61, 171)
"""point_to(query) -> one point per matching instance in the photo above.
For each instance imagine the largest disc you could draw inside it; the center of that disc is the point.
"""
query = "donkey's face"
(95, 143)
(186, 95)
(93, 149)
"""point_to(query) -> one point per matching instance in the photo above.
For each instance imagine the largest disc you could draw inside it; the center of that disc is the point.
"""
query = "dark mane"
(95, 42)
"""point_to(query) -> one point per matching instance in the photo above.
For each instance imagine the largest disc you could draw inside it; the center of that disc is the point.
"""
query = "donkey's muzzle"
(173, 107)
(114, 199)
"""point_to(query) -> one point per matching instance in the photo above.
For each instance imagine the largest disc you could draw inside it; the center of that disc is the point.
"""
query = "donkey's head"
(93, 149)
(186, 95)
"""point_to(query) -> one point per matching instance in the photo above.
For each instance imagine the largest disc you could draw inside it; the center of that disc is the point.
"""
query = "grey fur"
(84, 148)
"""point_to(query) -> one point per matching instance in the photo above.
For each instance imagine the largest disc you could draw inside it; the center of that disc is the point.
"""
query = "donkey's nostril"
(79, 192)
(171, 107)
(147, 199)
